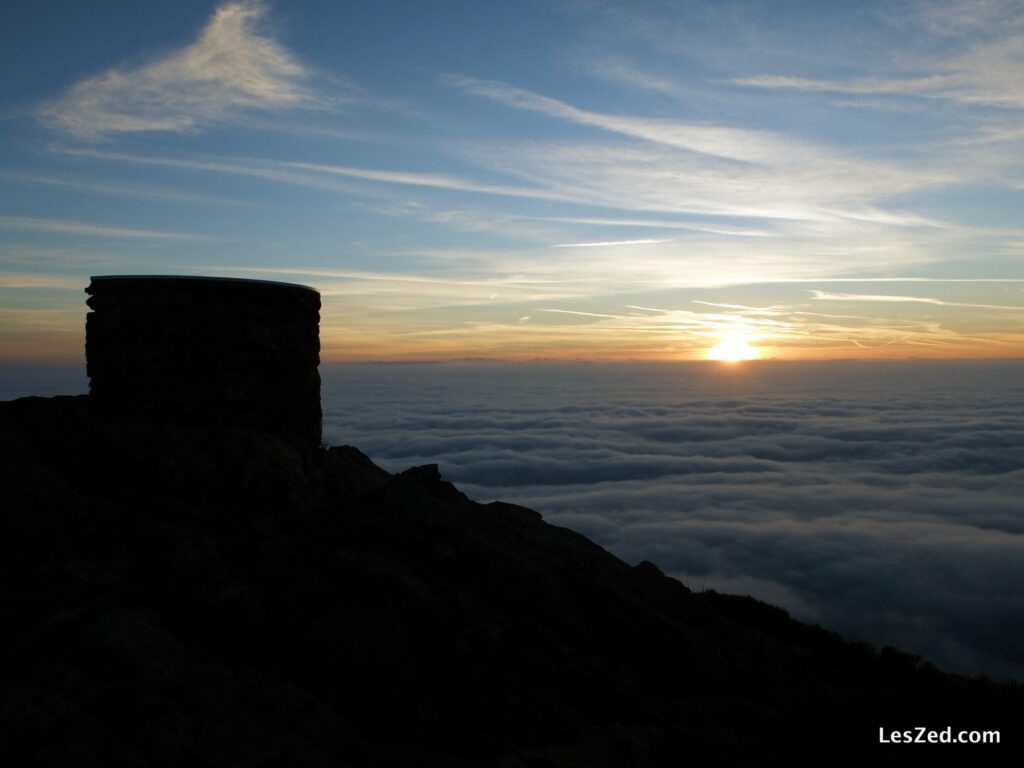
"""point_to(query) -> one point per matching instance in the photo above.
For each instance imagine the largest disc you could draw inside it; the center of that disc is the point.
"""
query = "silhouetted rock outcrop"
(211, 596)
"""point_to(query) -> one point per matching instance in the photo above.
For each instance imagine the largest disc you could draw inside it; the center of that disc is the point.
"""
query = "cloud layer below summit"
(880, 500)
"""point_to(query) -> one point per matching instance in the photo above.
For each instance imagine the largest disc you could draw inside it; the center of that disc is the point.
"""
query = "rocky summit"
(189, 595)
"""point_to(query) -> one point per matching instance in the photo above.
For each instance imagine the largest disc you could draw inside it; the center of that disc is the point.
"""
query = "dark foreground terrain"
(210, 597)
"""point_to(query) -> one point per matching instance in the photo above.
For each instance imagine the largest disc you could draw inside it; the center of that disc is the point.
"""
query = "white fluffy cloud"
(230, 68)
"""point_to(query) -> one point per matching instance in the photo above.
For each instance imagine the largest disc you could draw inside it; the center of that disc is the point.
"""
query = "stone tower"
(207, 351)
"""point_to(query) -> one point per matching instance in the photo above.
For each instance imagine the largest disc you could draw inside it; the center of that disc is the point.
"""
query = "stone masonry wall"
(207, 351)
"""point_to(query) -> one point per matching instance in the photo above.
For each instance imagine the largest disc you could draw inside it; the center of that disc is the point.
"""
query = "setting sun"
(732, 349)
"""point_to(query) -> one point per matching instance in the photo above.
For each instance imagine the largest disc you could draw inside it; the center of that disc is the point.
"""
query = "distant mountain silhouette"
(189, 595)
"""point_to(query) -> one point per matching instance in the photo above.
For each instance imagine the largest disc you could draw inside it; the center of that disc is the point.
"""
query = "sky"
(585, 179)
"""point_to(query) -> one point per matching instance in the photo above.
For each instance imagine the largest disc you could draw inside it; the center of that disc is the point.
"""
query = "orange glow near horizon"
(50, 330)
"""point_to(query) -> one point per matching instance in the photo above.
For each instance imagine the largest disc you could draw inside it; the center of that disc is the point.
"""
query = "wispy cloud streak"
(740, 144)
(120, 189)
(975, 56)
(886, 298)
(95, 230)
(230, 68)
(610, 243)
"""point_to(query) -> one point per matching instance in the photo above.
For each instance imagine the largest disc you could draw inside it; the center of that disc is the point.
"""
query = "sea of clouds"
(882, 500)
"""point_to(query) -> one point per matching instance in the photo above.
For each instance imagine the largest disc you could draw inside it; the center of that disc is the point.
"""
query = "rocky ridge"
(211, 596)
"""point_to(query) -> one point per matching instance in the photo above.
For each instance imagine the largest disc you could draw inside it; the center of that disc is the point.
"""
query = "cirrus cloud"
(230, 68)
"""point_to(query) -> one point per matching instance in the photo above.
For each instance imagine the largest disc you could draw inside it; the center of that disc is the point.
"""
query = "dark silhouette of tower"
(207, 351)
